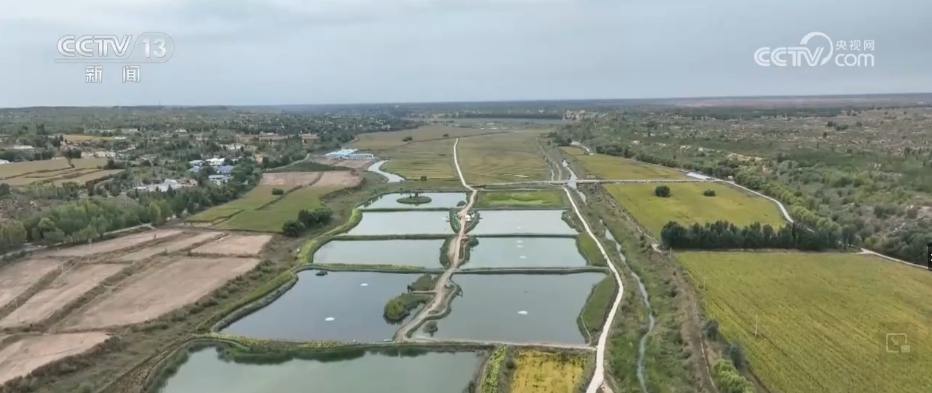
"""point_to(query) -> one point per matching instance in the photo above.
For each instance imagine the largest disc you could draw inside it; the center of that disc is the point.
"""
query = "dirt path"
(440, 288)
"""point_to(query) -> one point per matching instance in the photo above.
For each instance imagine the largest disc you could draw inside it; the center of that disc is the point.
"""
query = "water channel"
(414, 252)
(432, 372)
(438, 200)
(341, 306)
(377, 168)
(518, 307)
(572, 182)
(512, 252)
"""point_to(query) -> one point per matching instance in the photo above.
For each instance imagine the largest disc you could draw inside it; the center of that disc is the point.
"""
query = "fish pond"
(340, 306)
(518, 308)
(437, 200)
(535, 222)
(525, 252)
(403, 223)
(358, 372)
(415, 252)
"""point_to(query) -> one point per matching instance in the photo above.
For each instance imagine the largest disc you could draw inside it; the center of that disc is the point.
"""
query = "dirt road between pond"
(440, 289)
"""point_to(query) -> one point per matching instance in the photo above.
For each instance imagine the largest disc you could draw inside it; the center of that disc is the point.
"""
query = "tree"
(278, 191)
(4, 189)
(155, 214)
(407, 139)
(423, 178)
(709, 193)
(292, 228)
(662, 191)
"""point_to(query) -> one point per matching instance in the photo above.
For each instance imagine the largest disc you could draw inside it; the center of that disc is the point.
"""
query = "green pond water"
(205, 372)
(438, 200)
(506, 252)
(420, 253)
(354, 300)
(536, 222)
(518, 308)
(403, 223)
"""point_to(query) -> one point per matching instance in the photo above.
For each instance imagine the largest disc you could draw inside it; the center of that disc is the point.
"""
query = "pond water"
(518, 307)
(499, 252)
(420, 252)
(302, 313)
(377, 168)
(536, 222)
(438, 200)
(432, 372)
(403, 223)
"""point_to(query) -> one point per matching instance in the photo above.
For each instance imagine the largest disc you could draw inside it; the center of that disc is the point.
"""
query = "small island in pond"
(414, 199)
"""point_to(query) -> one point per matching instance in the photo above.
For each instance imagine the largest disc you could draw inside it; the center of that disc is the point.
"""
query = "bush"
(292, 228)
(423, 178)
(430, 327)
(407, 139)
(473, 241)
(662, 191)
(709, 193)
(278, 191)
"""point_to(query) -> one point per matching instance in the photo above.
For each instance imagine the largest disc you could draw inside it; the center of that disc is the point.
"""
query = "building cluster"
(164, 186)
(349, 154)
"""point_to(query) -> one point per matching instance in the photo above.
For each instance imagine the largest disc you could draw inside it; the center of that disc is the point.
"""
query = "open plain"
(19, 277)
(235, 245)
(65, 289)
(187, 241)
(22, 357)
(117, 244)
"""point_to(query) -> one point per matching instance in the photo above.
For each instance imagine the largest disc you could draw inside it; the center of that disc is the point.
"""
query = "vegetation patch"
(590, 250)
(501, 158)
(398, 308)
(414, 199)
(687, 205)
(429, 160)
(592, 317)
(252, 200)
(270, 218)
(306, 166)
(535, 199)
(546, 372)
(493, 371)
(810, 322)
(609, 167)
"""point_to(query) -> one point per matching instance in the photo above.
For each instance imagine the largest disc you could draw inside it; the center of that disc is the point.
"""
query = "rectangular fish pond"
(340, 306)
(403, 223)
(357, 372)
(524, 308)
(402, 252)
(535, 222)
(525, 252)
(437, 200)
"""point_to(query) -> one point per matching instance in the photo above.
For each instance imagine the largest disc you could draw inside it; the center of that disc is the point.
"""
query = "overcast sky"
(253, 52)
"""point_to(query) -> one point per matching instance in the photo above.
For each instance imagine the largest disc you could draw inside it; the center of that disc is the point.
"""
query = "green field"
(88, 176)
(687, 205)
(432, 159)
(818, 317)
(46, 166)
(493, 199)
(500, 158)
(378, 141)
(573, 150)
(252, 200)
(271, 217)
(611, 167)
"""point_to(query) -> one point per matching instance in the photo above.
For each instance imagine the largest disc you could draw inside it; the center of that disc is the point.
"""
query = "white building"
(349, 154)
(22, 147)
(234, 146)
(4, 162)
(162, 187)
(215, 161)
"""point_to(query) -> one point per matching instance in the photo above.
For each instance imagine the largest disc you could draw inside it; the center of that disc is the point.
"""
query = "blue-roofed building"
(225, 170)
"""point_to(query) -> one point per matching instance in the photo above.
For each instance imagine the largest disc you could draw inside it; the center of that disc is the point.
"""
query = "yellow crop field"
(546, 372)
(611, 167)
(687, 205)
(29, 167)
(499, 158)
(377, 141)
(819, 318)
(433, 159)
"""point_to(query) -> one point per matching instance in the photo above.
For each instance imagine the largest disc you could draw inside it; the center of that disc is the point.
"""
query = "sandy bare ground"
(64, 290)
(18, 277)
(355, 164)
(24, 356)
(159, 290)
(338, 179)
(175, 246)
(115, 244)
(290, 178)
(235, 245)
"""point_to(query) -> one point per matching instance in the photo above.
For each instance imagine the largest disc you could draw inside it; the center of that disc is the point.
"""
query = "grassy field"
(377, 141)
(546, 372)
(271, 217)
(509, 157)
(28, 167)
(83, 138)
(573, 150)
(548, 198)
(687, 205)
(88, 176)
(600, 300)
(590, 250)
(253, 199)
(611, 167)
(433, 159)
(818, 317)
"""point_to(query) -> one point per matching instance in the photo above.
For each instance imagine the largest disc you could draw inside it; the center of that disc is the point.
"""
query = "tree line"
(307, 219)
(726, 235)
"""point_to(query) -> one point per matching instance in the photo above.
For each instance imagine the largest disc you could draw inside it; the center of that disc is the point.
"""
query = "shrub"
(278, 191)
(662, 191)
(407, 139)
(423, 178)
(709, 193)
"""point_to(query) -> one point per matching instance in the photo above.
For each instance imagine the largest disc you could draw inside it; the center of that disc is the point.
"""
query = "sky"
(276, 52)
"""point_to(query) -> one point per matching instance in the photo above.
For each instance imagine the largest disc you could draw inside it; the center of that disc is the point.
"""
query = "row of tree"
(307, 219)
(725, 235)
